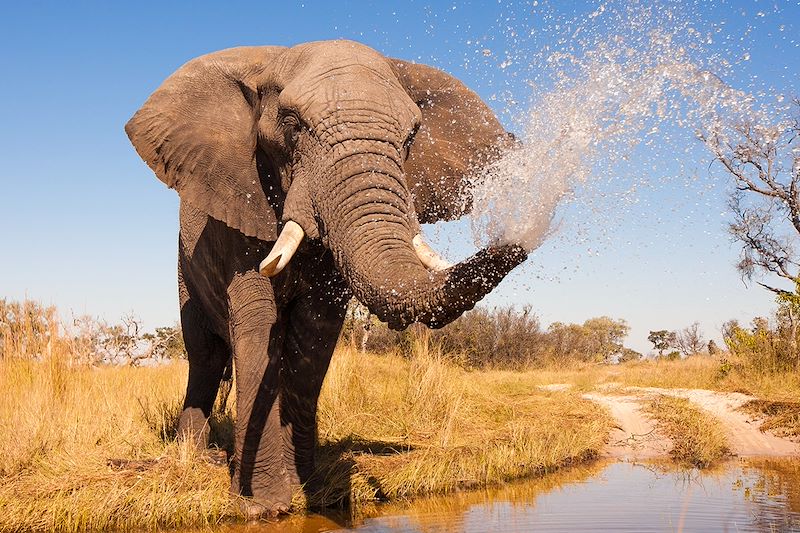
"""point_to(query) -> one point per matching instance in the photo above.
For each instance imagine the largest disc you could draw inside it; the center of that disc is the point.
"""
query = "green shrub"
(763, 348)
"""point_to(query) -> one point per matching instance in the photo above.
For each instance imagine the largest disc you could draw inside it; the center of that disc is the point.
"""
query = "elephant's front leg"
(314, 321)
(259, 468)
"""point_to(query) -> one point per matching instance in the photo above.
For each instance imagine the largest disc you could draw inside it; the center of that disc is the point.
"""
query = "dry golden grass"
(783, 418)
(453, 428)
(66, 422)
(698, 439)
(693, 372)
(390, 427)
(699, 372)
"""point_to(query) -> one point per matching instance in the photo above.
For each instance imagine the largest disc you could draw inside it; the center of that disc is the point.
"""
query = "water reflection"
(743, 495)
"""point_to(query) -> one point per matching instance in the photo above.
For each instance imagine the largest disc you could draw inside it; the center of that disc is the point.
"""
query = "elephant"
(304, 173)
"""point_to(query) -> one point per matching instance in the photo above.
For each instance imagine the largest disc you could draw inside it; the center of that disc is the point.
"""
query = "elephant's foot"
(193, 427)
(264, 504)
(253, 510)
(268, 499)
(216, 457)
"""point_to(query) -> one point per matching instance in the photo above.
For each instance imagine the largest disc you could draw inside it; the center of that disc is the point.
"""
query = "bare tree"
(764, 161)
(690, 340)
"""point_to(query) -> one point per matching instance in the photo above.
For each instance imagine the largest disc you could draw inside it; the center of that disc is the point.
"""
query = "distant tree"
(94, 341)
(729, 329)
(787, 318)
(762, 347)
(25, 328)
(629, 355)
(760, 324)
(567, 341)
(166, 343)
(358, 322)
(662, 340)
(503, 337)
(689, 340)
(597, 339)
(607, 335)
(119, 343)
(712, 347)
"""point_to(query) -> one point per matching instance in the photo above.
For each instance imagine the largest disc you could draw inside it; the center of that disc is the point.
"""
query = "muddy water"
(742, 495)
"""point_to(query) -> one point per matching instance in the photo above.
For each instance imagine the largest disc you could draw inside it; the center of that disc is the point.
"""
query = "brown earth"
(637, 437)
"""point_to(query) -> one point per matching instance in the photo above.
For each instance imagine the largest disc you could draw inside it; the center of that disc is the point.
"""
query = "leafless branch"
(764, 162)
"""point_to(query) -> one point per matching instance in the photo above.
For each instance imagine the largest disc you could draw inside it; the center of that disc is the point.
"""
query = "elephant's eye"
(291, 128)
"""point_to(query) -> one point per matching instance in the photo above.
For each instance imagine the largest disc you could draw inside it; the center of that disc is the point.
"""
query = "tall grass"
(437, 427)
(390, 427)
(63, 423)
(698, 439)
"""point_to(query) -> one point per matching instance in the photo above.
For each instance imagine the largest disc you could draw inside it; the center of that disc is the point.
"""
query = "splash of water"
(613, 89)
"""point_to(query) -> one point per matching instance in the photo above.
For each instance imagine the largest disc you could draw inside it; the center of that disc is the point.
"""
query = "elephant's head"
(332, 140)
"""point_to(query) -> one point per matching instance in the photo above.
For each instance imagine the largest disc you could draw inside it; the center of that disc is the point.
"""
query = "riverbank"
(93, 447)
(390, 428)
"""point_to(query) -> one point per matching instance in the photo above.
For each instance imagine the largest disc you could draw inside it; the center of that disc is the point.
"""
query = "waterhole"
(740, 495)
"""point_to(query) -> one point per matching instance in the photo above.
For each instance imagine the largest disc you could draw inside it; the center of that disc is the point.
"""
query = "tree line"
(502, 337)
(31, 330)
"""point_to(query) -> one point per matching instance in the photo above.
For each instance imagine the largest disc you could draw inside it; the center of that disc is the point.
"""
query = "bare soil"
(637, 437)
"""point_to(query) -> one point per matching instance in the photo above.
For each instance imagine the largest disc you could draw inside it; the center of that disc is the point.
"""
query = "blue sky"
(87, 227)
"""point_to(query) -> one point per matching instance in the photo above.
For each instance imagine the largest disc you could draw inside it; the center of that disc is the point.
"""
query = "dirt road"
(636, 436)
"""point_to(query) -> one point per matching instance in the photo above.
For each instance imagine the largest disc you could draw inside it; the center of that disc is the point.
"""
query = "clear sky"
(87, 227)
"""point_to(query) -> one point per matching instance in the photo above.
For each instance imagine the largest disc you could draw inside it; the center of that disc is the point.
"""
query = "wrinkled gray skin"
(354, 147)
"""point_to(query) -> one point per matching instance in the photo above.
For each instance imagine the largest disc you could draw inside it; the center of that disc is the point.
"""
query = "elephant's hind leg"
(208, 356)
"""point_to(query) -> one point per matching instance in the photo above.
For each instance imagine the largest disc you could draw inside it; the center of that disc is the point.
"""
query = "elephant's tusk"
(428, 256)
(285, 247)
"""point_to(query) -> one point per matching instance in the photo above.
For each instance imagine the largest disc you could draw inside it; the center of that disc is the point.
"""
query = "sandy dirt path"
(744, 437)
(637, 437)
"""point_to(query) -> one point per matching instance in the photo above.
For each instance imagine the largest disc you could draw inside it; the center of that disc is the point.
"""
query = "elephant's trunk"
(369, 230)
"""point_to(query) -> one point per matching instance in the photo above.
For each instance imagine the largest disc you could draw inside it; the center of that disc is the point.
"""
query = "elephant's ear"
(198, 132)
(458, 136)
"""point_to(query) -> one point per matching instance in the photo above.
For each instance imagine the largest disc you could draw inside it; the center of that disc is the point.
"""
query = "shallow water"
(741, 495)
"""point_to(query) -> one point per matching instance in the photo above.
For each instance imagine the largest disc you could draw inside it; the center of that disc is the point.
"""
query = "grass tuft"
(698, 439)
(782, 418)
